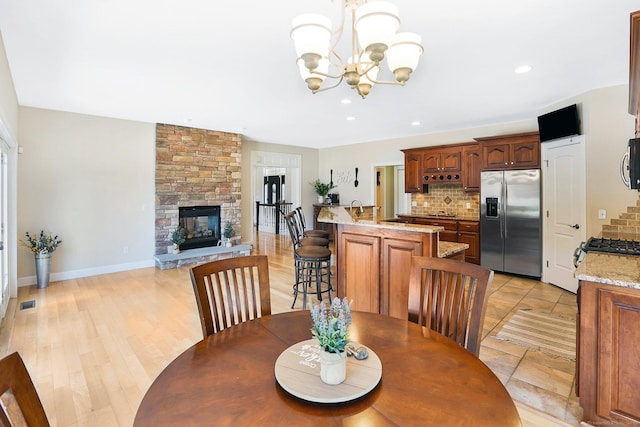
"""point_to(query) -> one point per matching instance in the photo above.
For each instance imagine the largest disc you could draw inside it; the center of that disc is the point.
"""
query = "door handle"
(576, 226)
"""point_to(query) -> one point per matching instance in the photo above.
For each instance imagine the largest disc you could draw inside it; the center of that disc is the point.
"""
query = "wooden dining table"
(228, 379)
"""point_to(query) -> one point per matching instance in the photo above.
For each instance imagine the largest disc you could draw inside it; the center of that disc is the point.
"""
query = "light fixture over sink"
(373, 37)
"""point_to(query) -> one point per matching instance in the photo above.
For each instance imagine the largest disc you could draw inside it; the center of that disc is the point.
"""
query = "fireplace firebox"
(201, 225)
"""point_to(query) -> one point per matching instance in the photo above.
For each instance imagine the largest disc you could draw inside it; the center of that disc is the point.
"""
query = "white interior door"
(564, 209)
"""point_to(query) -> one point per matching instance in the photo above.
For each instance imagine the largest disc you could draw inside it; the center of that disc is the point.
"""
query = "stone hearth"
(199, 256)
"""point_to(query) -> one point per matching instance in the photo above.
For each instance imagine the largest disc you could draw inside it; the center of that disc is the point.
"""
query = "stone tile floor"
(533, 378)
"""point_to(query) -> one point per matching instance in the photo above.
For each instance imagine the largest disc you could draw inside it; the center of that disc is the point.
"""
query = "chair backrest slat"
(21, 404)
(450, 297)
(231, 291)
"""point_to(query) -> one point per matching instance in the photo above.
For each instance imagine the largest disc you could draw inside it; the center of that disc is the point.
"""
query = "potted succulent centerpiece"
(228, 233)
(42, 247)
(331, 329)
(322, 190)
(177, 237)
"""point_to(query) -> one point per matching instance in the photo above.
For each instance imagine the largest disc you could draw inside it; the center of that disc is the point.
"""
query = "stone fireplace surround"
(195, 167)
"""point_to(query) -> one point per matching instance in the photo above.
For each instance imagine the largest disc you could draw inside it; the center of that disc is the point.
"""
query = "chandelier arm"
(386, 82)
(322, 89)
(320, 73)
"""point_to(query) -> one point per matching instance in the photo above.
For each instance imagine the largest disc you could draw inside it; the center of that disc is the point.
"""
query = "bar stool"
(309, 233)
(312, 264)
(298, 230)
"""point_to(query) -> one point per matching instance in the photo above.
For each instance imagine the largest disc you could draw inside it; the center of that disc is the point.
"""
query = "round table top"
(228, 379)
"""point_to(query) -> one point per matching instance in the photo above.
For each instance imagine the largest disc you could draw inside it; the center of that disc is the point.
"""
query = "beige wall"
(605, 123)
(76, 168)
(344, 160)
(90, 180)
(308, 173)
(8, 100)
(9, 133)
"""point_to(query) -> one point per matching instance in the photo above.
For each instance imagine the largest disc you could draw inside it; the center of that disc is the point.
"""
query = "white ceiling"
(230, 65)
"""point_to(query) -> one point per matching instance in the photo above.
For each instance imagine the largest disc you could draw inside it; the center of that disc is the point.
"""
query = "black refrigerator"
(510, 221)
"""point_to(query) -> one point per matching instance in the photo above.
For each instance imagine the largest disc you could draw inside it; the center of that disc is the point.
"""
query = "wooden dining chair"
(449, 297)
(230, 291)
(20, 404)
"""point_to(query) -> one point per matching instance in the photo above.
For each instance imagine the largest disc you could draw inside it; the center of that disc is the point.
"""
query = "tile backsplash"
(448, 198)
(627, 223)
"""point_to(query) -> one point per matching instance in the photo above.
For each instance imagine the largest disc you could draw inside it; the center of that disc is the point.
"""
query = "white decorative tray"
(298, 372)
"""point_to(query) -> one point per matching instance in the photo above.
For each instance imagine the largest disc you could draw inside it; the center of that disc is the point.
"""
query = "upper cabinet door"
(634, 66)
(471, 164)
(431, 161)
(412, 172)
(495, 156)
(451, 159)
(515, 151)
(524, 155)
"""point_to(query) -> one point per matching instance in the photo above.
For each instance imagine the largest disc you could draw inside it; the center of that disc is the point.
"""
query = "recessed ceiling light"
(523, 69)
(416, 123)
(345, 101)
(351, 118)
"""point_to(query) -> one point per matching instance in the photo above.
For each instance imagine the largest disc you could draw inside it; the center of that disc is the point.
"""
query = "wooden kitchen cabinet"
(412, 171)
(441, 160)
(450, 232)
(634, 68)
(459, 231)
(442, 164)
(515, 151)
(359, 266)
(373, 266)
(471, 166)
(469, 233)
(609, 354)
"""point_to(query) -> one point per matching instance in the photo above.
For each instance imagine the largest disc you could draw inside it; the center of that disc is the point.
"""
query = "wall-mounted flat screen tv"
(559, 124)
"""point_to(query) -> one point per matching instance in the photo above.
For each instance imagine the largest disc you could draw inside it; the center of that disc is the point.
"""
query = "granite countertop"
(446, 249)
(441, 217)
(611, 269)
(341, 215)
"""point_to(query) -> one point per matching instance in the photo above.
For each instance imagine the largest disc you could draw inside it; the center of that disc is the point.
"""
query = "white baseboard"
(86, 272)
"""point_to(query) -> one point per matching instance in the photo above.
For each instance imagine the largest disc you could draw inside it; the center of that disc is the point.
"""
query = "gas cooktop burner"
(623, 247)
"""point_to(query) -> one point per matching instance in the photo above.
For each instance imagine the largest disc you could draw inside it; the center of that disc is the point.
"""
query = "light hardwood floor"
(94, 345)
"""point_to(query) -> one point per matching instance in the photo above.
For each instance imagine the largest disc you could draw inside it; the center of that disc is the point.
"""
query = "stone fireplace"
(196, 167)
(201, 225)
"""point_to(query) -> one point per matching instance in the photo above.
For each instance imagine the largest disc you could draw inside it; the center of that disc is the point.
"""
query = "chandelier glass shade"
(373, 37)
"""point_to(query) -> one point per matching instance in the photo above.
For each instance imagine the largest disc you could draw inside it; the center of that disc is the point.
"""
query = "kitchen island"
(608, 359)
(373, 258)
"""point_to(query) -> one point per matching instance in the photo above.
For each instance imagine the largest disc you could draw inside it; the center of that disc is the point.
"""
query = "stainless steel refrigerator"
(510, 221)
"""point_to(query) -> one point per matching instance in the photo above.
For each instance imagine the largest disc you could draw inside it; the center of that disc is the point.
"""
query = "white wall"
(91, 180)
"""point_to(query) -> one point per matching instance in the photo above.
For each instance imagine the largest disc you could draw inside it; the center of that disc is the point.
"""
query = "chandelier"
(373, 37)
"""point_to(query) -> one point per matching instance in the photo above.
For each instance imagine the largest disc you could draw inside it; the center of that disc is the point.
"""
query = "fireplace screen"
(201, 225)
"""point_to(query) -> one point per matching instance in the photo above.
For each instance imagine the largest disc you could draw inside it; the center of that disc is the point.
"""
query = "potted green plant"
(228, 233)
(322, 189)
(177, 237)
(331, 329)
(42, 247)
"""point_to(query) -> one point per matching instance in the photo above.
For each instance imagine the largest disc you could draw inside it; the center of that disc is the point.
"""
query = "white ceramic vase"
(320, 199)
(333, 367)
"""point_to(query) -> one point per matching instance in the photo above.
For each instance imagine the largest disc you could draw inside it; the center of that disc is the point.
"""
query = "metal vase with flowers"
(42, 247)
(331, 329)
